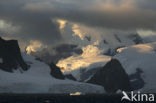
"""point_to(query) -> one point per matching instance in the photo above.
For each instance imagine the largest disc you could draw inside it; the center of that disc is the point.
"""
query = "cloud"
(8, 28)
(39, 6)
(36, 19)
(77, 31)
(28, 26)
(62, 23)
(116, 14)
(35, 46)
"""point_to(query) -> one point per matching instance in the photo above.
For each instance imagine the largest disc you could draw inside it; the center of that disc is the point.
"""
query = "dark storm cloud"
(114, 14)
(33, 26)
(34, 16)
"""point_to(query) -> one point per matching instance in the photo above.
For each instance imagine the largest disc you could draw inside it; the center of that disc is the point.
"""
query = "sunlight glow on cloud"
(77, 31)
(114, 4)
(34, 46)
(62, 23)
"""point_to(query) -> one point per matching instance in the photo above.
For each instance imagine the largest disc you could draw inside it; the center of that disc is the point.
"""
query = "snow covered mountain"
(142, 56)
(87, 51)
(138, 61)
(38, 80)
(95, 55)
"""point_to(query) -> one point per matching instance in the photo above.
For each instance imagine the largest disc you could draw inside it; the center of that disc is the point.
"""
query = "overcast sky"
(35, 19)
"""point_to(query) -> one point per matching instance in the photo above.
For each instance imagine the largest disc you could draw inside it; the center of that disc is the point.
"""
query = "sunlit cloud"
(62, 23)
(77, 31)
(35, 46)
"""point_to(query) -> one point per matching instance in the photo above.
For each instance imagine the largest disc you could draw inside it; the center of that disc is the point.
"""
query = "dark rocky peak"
(112, 77)
(11, 56)
(56, 72)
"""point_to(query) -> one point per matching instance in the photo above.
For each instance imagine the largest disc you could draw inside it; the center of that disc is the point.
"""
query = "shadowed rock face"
(56, 72)
(11, 55)
(112, 77)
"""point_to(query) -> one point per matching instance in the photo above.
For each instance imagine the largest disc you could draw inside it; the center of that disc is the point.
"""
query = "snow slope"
(141, 56)
(38, 80)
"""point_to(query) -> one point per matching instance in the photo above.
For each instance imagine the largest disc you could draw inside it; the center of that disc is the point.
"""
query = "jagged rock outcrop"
(11, 55)
(56, 72)
(112, 77)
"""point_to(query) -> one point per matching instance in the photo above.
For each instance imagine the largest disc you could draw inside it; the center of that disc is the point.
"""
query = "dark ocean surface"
(59, 98)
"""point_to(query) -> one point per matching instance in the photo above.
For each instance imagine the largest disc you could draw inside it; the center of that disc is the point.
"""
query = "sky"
(40, 20)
